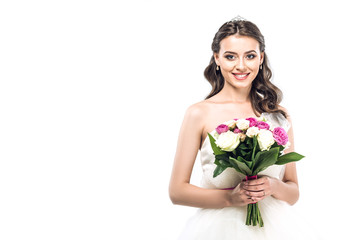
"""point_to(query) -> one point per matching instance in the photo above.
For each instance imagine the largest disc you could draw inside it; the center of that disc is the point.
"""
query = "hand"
(238, 196)
(260, 188)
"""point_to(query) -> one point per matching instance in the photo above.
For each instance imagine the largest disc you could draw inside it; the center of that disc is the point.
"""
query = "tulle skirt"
(280, 223)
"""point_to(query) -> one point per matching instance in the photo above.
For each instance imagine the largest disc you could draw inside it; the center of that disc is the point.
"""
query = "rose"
(252, 131)
(242, 137)
(263, 125)
(252, 121)
(280, 136)
(231, 124)
(265, 139)
(242, 124)
(228, 141)
(222, 128)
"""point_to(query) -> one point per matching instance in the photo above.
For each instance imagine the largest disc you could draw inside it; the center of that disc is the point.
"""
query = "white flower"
(265, 139)
(243, 124)
(261, 118)
(231, 124)
(242, 137)
(252, 132)
(228, 141)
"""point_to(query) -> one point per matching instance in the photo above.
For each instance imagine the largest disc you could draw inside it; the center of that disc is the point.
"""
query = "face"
(239, 59)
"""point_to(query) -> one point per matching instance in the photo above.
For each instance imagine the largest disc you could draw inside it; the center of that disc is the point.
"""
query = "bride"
(240, 78)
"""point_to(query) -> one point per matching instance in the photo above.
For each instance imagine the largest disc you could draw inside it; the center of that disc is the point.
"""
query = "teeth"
(242, 75)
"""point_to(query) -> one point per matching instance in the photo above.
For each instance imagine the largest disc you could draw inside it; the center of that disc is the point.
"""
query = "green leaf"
(242, 152)
(243, 146)
(218, 170)
(249, 142)
(289, 157)
(281, 147)
(215, 148)
(265, 159)
(241, 159)
(248, 163)
(240, 166)
(255, 142)
(223, 157)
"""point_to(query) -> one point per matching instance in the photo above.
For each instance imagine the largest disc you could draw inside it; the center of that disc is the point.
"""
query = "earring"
(217, 67)
(260, 66)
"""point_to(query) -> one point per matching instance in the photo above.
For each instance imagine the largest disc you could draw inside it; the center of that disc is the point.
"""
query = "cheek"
(253, 65)
(228, 66)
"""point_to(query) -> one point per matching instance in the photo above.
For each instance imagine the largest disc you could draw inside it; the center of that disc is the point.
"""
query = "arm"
(180, 190)
(288, 189)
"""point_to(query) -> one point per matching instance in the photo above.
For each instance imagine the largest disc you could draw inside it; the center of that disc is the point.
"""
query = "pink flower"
(222, 128)
(236, 130)
(252, 121)
(280, 136)
(263, 125)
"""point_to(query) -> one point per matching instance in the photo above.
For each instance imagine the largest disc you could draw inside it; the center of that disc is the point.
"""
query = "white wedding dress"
(280, 222)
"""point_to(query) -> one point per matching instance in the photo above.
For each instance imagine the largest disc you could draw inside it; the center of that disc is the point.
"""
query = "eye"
(230, 57)
(251, 56)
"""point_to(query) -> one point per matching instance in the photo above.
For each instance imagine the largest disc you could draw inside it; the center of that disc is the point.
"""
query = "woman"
(240, 78)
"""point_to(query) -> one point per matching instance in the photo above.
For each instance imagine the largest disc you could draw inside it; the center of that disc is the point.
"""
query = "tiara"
(237, 18)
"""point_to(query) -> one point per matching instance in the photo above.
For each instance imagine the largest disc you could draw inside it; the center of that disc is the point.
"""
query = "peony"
(252, 131)
(236, 130)
(228, 141)
(243, 124)
(252, 121)
(280, 136)
(265, 139)
(263, 125)
(222, 128)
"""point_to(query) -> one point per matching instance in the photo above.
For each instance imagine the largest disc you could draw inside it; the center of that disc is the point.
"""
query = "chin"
(241, 84)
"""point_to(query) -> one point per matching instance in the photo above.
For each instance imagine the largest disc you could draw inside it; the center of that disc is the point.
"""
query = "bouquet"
(250, 146)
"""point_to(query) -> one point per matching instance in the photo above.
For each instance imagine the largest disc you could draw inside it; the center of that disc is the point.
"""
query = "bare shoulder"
(197, 111)
(195, 117)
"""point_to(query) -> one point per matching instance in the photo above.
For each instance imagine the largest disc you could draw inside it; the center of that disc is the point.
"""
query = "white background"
(93, 93)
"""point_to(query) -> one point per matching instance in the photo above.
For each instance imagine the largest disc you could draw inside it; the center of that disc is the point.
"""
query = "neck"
(237, 95)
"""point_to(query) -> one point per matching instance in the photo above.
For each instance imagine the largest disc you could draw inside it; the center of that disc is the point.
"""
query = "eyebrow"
(236, 53)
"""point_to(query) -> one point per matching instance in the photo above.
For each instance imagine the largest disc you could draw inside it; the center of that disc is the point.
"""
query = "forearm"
(190, 195)
(287, 191)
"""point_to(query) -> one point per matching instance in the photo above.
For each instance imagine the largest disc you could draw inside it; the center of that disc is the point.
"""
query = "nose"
(241, 66)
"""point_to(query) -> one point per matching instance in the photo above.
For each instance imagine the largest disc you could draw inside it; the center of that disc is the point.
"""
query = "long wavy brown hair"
(264, 95)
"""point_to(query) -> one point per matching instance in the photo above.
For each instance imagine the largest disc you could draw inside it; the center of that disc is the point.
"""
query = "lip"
(241, 76)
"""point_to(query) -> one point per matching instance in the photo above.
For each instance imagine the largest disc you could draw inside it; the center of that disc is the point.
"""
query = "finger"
(254, 182)
(254, 200)
(254, 188)
(256, 194)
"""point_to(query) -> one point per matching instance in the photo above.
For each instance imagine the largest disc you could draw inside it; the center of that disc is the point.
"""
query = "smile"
(241, 76)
